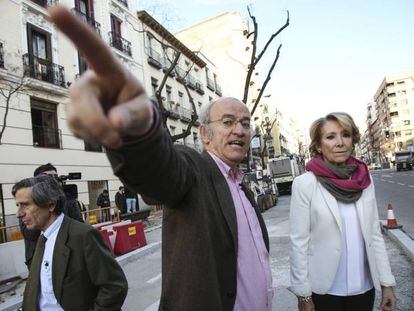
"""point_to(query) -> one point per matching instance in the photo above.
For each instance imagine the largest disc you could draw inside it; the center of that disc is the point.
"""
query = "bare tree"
(256, 57)
(8, 89)
(172, 68)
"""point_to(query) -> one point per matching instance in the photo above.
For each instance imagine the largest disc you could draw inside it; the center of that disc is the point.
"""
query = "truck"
(283, 170)
(404, 160)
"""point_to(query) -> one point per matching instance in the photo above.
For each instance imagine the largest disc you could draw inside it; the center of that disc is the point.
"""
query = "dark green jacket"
(85, 275)
(199, 233)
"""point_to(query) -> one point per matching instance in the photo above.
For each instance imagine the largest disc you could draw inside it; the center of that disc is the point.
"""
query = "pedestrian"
(131, 200)
(72, 268)
(120, 200)
(338, 256)
(215, 244)
(104, 203)
(71, 209)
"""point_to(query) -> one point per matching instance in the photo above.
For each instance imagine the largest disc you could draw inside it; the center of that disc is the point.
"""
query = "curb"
(138, 253)
(401, 238)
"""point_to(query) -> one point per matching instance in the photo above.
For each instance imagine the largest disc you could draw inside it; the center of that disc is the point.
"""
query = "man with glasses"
(215, 253)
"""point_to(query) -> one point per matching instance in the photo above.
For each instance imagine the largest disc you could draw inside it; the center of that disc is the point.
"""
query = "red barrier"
(129, 237)
(105, 235)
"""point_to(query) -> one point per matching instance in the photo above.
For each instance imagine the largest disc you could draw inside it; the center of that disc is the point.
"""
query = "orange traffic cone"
(391, 221)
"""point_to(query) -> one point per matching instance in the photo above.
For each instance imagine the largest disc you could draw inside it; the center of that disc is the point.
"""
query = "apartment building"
(392, 129)
(36, 56)
(190, 78)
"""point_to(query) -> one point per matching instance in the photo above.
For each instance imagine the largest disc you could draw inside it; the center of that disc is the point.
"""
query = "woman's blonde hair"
(344, 120)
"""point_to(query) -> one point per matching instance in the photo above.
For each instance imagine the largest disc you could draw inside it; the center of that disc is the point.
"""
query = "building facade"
(390, 118)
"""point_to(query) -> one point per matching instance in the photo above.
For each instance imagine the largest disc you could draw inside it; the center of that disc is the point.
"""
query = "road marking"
(153, 307)
(401, 184)
(383, 179)
(154, 279)
(391, 182)
(410, 186)
(385, 175)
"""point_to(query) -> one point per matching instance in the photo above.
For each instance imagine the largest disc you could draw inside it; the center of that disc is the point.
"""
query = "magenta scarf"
(344, 182)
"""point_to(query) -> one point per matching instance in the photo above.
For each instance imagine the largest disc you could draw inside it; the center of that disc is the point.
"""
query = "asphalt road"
(396, 188)
(144, 274)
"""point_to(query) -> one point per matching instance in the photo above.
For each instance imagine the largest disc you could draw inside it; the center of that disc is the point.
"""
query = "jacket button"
(231, 294)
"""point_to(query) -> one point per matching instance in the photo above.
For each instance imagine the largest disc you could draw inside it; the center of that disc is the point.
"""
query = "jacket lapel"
(61, 255)
(224, 197)
(332, 205)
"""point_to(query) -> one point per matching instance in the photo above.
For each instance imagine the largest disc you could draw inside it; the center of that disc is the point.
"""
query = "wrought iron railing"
(173, 110)
(124, 2)
(43, 69)
(47, 137)
(191, 82)
(166, 65)
(116, 41)
(154, 58)
(210, 84)
(200, 88)
(1, 55)
(185, 114)
(45, 3)
(181, 74)
(89, 20)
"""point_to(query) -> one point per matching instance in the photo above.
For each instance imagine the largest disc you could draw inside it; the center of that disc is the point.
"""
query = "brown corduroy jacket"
(199, 234)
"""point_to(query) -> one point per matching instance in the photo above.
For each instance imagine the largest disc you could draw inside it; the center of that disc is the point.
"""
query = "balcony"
(88, 20)
(191, 82)
(47, 137)
(210, 84)
(43, 69)
(124, 2)
(218, 90)
(154, 58)
(1, 55)
(185, 115)
(116, 41)
(166, 66)
(181, 74)
(45, 3)
(200, 88)
(173, 110)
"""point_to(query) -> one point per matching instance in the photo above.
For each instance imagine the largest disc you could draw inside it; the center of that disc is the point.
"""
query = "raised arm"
(107, 103)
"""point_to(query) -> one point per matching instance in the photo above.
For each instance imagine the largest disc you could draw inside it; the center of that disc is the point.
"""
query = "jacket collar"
(61, 256)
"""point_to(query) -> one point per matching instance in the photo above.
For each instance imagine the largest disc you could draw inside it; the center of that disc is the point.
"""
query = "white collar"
(54, 226)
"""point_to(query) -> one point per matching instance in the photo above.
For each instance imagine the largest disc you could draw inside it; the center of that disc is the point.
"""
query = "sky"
(335, 53)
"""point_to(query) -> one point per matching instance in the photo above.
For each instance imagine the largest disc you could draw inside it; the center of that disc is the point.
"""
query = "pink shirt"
(254, 277)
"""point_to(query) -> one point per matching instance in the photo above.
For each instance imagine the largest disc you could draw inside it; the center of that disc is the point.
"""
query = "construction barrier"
(128, 237)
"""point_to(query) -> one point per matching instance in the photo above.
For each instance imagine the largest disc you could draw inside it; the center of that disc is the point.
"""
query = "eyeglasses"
(231, 122)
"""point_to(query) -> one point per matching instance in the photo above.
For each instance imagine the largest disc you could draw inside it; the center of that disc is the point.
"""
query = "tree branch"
(271, 39)
(252, 57)
(269, 75)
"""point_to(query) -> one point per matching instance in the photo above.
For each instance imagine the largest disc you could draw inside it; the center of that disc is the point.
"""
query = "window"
(406, 122)
(168, 92)
(93, 147)
(184, 138)
(391, 94)
(181, 98)
(200, 104)
(44, 124)
(397, 133)
(394, 114)
(408, 133)
(154, 86)
(401, 82)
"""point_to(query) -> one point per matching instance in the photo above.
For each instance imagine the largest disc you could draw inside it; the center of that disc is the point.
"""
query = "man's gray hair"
(46, 191)
(205, 117)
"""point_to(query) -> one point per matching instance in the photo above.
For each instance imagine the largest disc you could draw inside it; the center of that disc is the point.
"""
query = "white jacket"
(315, 236)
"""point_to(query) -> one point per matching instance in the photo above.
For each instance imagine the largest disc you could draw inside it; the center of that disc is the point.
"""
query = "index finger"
(97, 52)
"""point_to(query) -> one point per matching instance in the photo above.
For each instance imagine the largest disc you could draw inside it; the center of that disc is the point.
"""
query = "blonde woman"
(337, 256)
